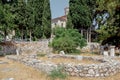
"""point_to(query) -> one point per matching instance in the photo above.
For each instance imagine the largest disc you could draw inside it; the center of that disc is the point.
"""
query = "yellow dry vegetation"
(68, 60)
(19, 71)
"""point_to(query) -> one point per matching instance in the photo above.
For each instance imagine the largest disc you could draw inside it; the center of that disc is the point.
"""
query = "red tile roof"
(62, 18)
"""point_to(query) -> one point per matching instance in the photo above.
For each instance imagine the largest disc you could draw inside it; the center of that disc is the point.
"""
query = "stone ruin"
(18, 48)
(107, 66)
(7, 47)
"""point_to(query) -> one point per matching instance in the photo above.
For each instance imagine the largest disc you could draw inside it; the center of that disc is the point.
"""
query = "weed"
(41, 55)
(58, 73)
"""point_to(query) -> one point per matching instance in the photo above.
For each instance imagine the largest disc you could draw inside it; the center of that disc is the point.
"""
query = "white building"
(60, 21)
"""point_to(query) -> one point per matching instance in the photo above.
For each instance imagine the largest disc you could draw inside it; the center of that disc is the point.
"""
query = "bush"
(58, 73)
(67, 40)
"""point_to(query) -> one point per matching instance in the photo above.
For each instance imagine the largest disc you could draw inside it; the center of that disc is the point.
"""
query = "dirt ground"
(18, 71)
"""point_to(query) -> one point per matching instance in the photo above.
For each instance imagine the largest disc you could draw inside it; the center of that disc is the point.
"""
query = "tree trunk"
(22, 35)
(90, 34)
(82, 32)
(5, 35)
(87, 35)
(30, 36)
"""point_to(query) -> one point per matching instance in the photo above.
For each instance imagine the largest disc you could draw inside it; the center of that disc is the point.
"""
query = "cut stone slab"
(9, 79)
(2, 62)
(79, 57)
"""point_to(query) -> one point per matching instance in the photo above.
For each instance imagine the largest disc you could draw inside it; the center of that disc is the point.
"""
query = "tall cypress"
(46, 20)
(42, 16)
(38, 17)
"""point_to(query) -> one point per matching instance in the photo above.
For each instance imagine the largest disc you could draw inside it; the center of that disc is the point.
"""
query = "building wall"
(59, 23)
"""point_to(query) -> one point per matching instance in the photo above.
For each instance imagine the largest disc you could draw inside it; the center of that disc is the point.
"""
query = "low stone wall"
(7, 48)
(93, 70)
(34, 47)
(31, 60)
(91, 47)
(107, 66)
(25, 47)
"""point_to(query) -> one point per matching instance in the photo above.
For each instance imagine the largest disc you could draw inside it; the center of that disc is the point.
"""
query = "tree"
(38, 10)
(46, 19)
(42, 18)
(21, 18)
(106, 32)
(69, 22)
(31, 19)
(111, 23)
(81, 14)
(7, 17)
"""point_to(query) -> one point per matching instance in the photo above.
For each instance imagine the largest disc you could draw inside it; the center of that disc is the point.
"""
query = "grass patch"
(41, 55)
(58, 73)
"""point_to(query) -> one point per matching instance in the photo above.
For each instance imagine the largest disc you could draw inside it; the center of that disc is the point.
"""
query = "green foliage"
(41, 55)
(105, 32)
(67, 40)
(30, 19)
(80, 13)
(110, 29)
(46, 20)
(58, 73)
(69, 22)
(6, 18)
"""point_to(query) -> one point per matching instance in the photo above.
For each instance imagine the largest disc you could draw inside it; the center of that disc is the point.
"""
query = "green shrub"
(58, 73)
(67, 40)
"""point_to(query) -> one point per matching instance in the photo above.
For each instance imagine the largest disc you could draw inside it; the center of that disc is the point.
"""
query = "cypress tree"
(38, 10)
(46, 20)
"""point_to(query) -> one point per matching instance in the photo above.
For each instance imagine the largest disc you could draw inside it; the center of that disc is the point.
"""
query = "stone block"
(91, 71)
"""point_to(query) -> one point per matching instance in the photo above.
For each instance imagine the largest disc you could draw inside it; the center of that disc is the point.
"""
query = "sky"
(57, 7)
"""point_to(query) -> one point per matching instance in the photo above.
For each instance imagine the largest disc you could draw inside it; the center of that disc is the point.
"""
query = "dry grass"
(89, 54)
(68, 60)
(19, 71)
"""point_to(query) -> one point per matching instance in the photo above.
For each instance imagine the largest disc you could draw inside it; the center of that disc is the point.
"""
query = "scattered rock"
(9, 79)
(62, 53)
(2, 62)
(79, 57)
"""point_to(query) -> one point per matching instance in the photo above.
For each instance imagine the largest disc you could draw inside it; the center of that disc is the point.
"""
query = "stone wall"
(31, 60)
(7, 48)
(93, 70)
(26, 47)
(91, 46)
(34, 47)
(107, 66)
